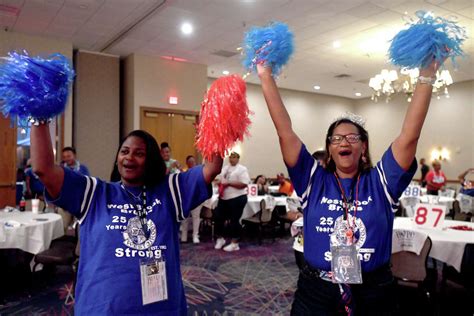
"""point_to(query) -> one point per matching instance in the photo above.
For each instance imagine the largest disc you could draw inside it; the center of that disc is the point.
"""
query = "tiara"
(354, 118)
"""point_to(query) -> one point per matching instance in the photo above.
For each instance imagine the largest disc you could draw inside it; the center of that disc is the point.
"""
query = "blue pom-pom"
(430, 38)
(271, 45)
(34, 87)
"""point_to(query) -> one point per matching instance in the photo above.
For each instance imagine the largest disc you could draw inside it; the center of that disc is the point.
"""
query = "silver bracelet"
(39, 121)
(426, 80)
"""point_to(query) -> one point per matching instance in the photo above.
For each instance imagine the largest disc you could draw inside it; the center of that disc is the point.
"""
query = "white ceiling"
(363, 28)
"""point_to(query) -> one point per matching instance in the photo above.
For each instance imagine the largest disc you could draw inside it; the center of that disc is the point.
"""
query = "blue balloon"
(34, 87)
(272, 45)
(430, 38)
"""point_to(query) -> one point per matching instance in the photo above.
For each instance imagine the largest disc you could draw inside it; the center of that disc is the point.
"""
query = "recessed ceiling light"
(225, 72)
(336, 44)
(316, 87)
(358, 94)
(186, 28)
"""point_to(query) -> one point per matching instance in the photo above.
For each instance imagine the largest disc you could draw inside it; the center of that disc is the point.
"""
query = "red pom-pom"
(224, 118)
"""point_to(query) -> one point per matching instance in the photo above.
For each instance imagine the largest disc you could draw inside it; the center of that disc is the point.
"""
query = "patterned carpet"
(257, 280)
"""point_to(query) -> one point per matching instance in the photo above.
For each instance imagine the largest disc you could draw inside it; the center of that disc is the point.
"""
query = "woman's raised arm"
(42, 160)
(290, 143)
(404, 146)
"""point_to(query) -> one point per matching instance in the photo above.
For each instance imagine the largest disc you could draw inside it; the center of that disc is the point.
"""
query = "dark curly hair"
(155, 169)
(364, 137)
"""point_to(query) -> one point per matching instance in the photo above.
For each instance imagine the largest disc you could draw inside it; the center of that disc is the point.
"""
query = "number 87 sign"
(430, 215)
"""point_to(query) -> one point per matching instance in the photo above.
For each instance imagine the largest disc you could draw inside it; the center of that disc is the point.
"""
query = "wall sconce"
(441, 154)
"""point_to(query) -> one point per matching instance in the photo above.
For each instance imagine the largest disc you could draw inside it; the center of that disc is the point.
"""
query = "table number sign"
(429, 215)
(412, 191)
(253, 190)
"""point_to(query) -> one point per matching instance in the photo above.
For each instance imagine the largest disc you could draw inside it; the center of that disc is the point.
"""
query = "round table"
(447, 244)
(28, 231)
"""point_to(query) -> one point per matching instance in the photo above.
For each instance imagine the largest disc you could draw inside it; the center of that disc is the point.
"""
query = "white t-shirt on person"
(234, 173)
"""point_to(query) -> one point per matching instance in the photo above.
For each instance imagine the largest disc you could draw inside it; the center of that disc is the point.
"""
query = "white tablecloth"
(448, 244)
(34, 233)
(252, 206)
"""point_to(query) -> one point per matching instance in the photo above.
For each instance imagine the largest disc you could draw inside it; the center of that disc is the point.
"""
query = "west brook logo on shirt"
(128, 208)
(338, 205)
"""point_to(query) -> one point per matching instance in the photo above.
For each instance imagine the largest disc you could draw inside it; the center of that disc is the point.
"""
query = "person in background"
(348, 205)
(262, 185)
(424, 168)
(233, 182)
(321, 156)
(286, 187)
(190, 162)
(129, 228)
(435, 179)
(467, 185)
(69, 160)
(34, 187)
(195, 213)
(172, 165)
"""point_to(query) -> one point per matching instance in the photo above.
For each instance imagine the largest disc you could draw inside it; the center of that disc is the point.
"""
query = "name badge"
(345, 265)
(153, 279)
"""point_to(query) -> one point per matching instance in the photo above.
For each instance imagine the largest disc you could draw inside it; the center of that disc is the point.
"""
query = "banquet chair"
(262, 220)
(464, 278)
(61, 252)
(411, 271)
(207, 220)
(409, 204)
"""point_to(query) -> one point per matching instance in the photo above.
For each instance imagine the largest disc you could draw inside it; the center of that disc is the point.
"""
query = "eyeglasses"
(337, 139)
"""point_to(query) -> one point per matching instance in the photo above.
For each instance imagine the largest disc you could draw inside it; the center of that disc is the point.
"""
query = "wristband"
(426, 80)
(39, 121)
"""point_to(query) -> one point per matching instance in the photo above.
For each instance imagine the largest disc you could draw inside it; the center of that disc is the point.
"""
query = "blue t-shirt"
(36, 186)
(320, 196)
(109, 271)
(78, 167)
(469, 192)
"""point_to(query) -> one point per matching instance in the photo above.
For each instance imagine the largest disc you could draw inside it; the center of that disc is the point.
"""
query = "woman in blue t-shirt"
(348, 205)
(129, 261)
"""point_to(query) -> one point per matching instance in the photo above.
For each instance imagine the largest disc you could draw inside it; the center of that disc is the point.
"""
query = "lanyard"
(141, 209)
(346, 204)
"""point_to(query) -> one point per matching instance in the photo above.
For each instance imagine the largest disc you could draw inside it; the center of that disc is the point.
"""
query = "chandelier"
(389, 82)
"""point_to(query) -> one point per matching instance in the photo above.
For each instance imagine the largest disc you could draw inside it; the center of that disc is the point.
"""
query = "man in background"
(424, 168)
(69, 161)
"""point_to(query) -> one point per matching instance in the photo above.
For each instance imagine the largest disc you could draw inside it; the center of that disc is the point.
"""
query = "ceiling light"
(358, 94)
(186, 28)
(336, 44)
(225, 72)
(316, 87)
(389, 82)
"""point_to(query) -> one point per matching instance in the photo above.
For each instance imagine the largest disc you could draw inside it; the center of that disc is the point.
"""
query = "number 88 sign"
(430, 215)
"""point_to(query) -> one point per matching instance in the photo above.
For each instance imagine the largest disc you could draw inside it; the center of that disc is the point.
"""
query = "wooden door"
(7, 163)
(177, 129)
(157, 124)
(183, 132)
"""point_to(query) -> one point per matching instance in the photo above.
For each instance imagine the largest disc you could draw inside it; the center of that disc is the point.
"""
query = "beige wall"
(151, 80)
(97, 111)
(10, 41)
(310, 114)
(449, 124)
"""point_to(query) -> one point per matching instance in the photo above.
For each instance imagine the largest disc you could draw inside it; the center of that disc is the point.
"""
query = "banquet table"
(253, 203)
(28, 231)
(448, 244)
